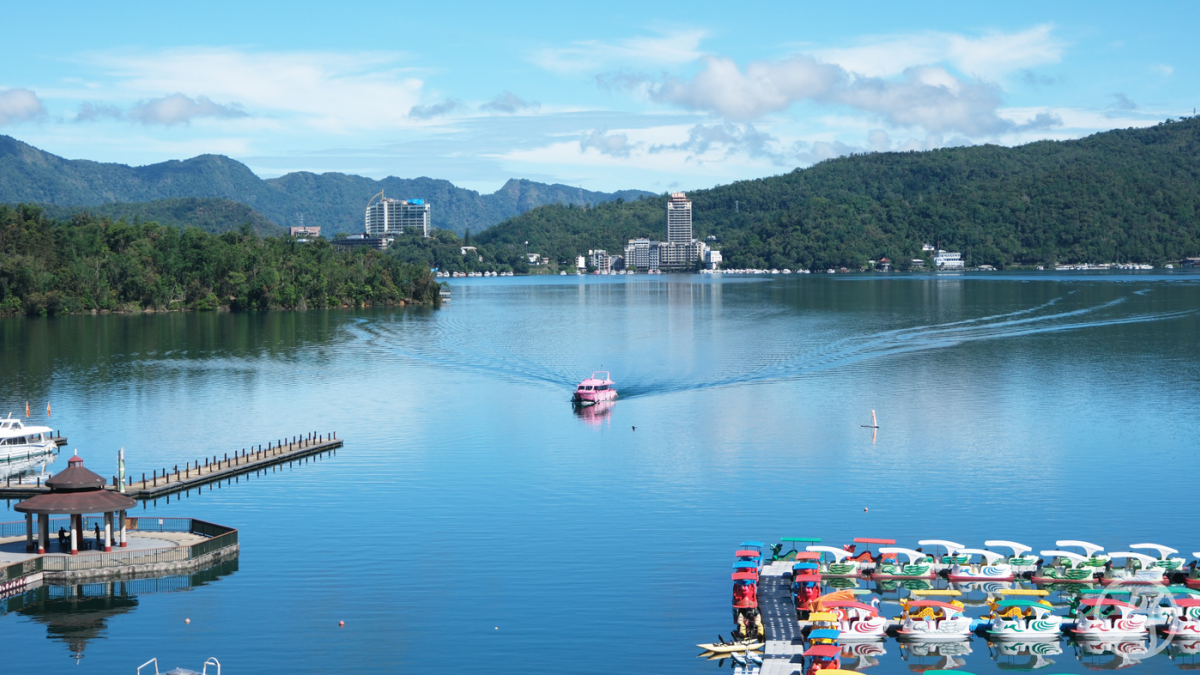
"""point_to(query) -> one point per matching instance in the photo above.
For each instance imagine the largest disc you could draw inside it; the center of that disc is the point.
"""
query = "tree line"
(92, 263)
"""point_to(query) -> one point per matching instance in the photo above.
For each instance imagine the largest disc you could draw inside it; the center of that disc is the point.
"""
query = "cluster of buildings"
(679, 252)
(386, 218)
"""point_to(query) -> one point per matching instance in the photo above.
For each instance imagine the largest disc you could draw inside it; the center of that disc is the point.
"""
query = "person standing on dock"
(99, 545)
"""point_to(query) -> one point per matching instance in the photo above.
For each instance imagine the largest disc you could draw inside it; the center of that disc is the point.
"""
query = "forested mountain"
(89, 263)
(211, 214)
(1123, 195)
(334, 201)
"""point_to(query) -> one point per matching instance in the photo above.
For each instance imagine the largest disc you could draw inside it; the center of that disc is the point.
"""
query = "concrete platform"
(12, 549)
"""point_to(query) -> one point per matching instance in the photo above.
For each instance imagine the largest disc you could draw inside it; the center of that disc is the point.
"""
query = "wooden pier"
(197, 473)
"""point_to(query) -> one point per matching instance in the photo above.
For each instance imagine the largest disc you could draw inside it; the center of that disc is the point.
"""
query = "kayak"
(730, 647)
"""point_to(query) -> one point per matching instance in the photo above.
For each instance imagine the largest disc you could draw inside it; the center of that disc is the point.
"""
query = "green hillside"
(1123, 195)
(211, 215)
(90, 263)
(333, 201)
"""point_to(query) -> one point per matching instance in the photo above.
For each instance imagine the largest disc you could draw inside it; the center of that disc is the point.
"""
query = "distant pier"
(200, 472)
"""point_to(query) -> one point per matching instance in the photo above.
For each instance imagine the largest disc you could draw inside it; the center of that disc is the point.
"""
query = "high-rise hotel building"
(679, 219)
(395, 216)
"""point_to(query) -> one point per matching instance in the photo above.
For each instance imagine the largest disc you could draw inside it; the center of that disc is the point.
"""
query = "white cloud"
(425, 112)
(929, 97)
(589, 55)
(616, 145)
(329, 90)
(730, 138)
(20, 105)
(508, 102)
(992, 55)
(180, 109)
(1163, 69)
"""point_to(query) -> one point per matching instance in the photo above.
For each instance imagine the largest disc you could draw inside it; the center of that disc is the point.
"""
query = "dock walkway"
(782, 654)
(201, 472)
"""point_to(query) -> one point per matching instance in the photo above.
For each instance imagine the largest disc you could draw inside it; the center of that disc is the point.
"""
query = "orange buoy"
(341, 623)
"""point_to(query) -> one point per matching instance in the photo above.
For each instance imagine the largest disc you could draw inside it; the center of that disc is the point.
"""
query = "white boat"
(1108, 619)
(857, 621)
(947, 561)
(1139, 568)
(991, 568)
(1183, 618)
(1023, 619)
(1018, 561)
(1070, 566)
(24, 447)
(1165, 561)
(933, 620)
(839, 566)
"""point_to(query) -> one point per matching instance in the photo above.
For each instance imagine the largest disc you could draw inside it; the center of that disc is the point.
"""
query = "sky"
(606, 96)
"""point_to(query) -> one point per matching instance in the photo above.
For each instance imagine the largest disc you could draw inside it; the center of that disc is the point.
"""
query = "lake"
(474, 522)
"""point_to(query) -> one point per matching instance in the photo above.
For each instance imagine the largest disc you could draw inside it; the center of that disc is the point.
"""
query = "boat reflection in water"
(1125, 653)
(1024, 656)
(595, 413)
(935, 655)
(862, 655)
(78, 613)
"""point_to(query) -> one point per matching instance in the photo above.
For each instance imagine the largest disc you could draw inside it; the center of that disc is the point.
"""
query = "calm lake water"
(474, 523)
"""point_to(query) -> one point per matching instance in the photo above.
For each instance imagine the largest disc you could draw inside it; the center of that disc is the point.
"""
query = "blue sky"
(606, 96)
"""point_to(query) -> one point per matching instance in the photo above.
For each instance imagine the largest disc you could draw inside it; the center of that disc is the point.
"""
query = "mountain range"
(1126, 195)
(333, 201)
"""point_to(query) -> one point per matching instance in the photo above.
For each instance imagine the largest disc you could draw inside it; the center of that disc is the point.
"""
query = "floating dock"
(195, 474)
(782, 654)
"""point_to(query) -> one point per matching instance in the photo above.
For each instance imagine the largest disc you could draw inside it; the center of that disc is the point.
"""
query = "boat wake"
(741, 353)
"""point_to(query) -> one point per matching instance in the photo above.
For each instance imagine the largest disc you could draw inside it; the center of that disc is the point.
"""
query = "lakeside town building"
(680, 251)
(946, 260)
(396, 216)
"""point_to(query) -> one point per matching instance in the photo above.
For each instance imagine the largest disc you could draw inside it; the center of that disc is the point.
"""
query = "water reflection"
(596, 414)
(1021, 655)
(77, 614)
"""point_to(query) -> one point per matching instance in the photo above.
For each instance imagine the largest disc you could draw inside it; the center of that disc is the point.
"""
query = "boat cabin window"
(602, 387)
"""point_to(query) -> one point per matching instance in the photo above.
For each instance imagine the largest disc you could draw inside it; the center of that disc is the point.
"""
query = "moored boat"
(599, 387)
(932, 620)
(1018, 561)
(841, 566)
(866, 561)
(1023, 619)
(951, 557)
(1139, 568)
(1183, 619)
(1108, 619)
(919, 565)
(857, 621)
(1068, 567)
(991, 568)
(23, 447)
(1164, 560)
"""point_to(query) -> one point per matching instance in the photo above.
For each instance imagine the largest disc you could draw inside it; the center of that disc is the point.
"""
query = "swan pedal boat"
(919, 565)
(933, 620)
(1069, 567)
(1110, 620)
(1139, 569)
(841, 567)
(857, 621)
(991, 569)
(1023, 619)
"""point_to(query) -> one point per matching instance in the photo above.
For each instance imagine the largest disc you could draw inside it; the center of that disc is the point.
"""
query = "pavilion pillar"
(123, 518)
(28, 532)
(76, 524)
(44, 531)
(108, 527)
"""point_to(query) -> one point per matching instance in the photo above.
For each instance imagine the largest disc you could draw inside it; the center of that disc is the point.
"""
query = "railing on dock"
(218, 537)
(19, 570)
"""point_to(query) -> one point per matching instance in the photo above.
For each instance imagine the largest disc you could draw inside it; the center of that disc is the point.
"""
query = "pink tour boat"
(595, 389)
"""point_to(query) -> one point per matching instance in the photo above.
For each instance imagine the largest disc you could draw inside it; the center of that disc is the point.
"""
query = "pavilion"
(74, 491)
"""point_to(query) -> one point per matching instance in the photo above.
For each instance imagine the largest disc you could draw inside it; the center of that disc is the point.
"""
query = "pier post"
(74, 540)
(108, 528)
(44, 531)
(123, 518)
(28, 531)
